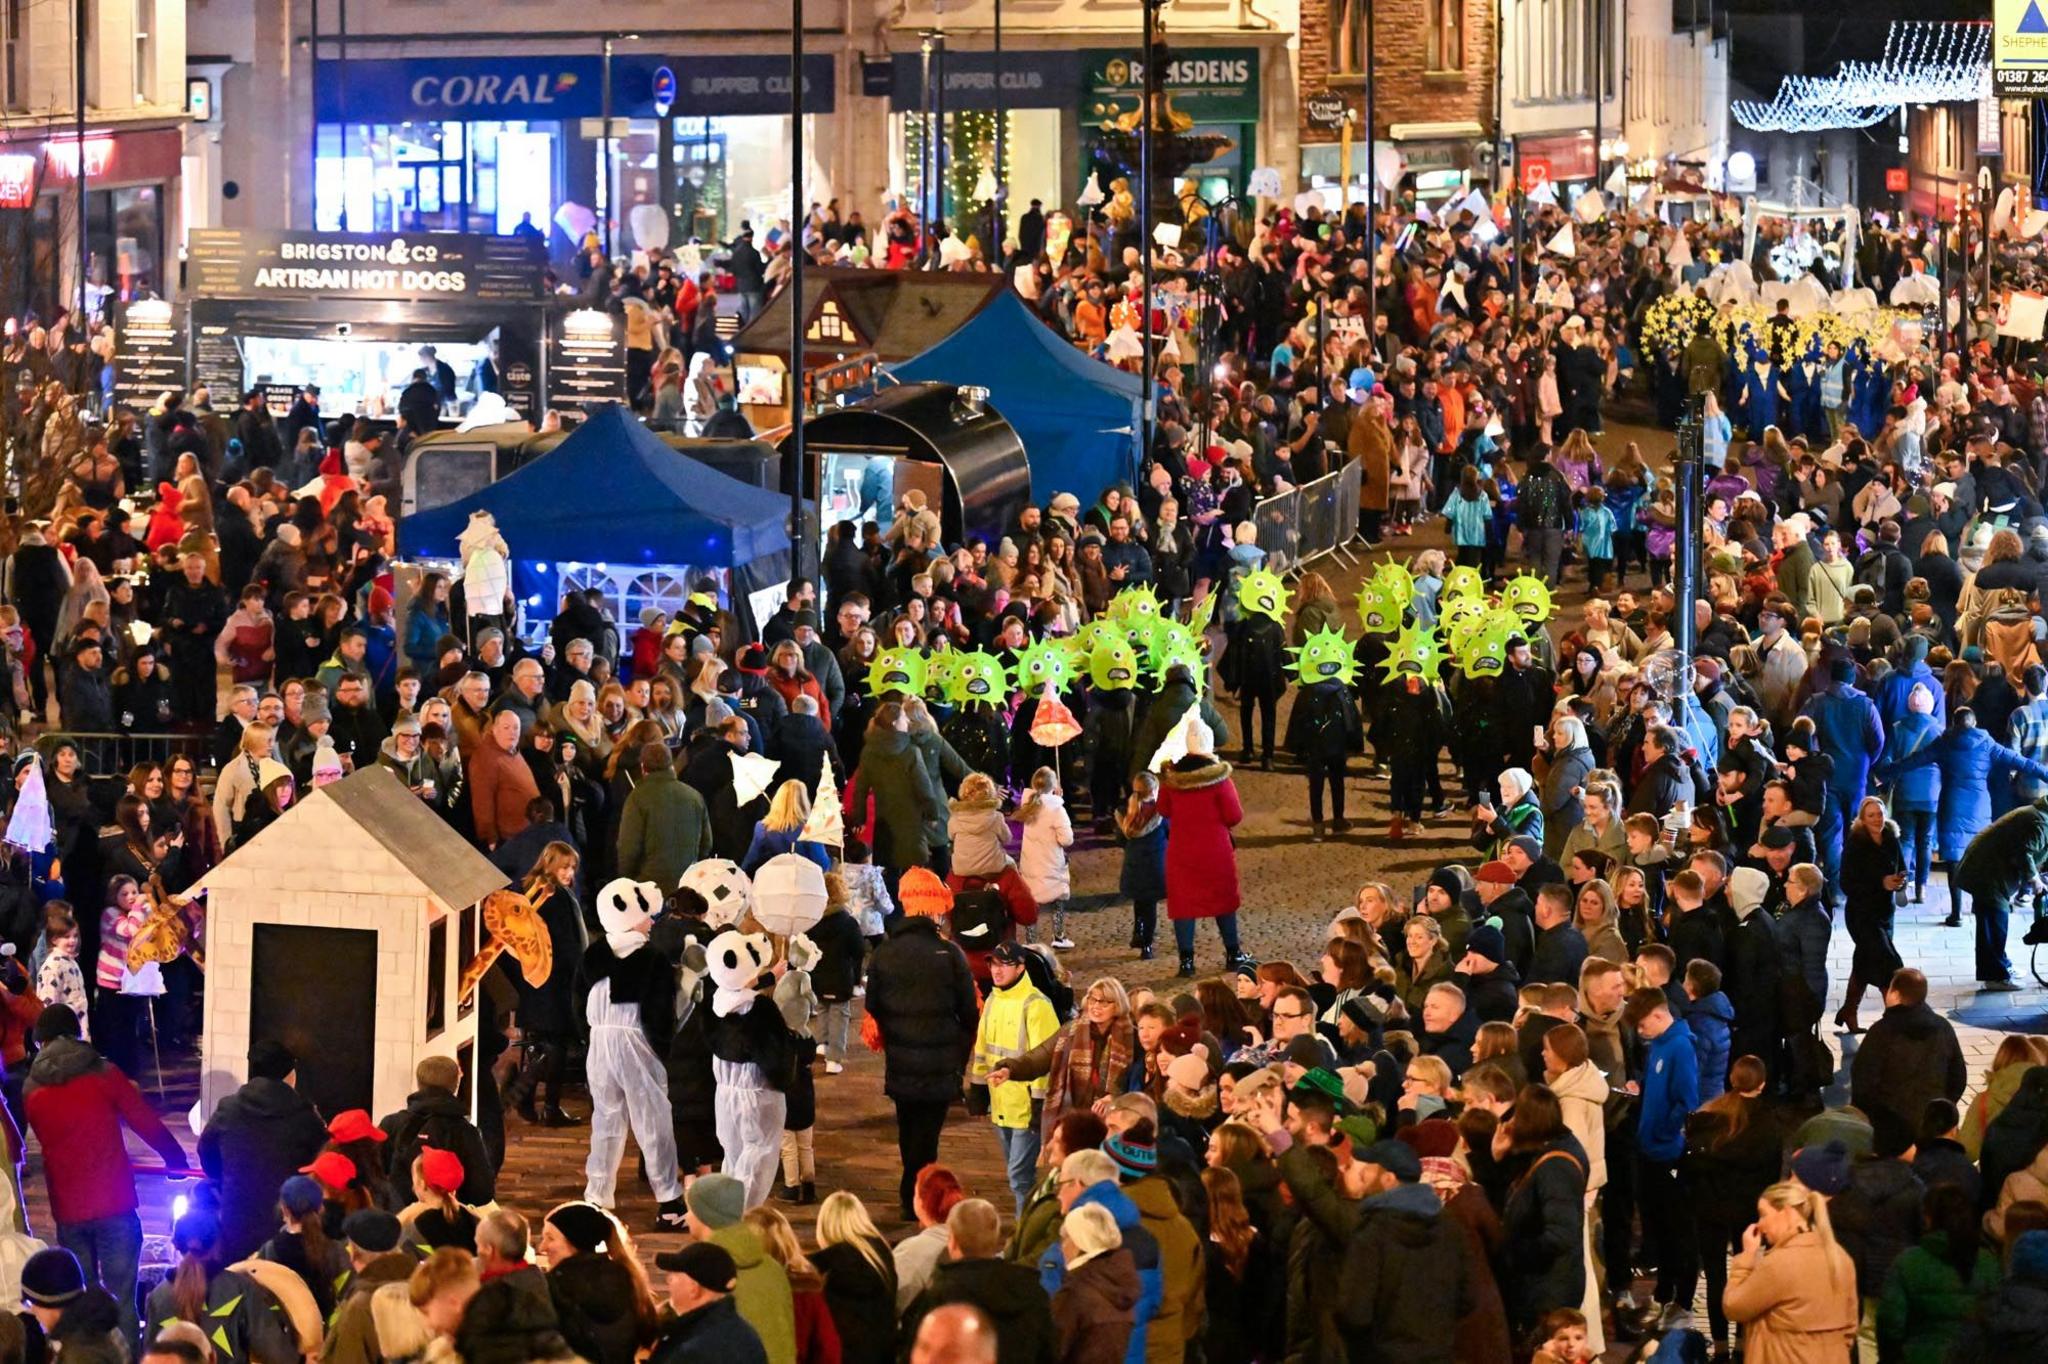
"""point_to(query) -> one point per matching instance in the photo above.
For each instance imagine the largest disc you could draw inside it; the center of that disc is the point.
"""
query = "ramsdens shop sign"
(1210, 85)
(233, 263)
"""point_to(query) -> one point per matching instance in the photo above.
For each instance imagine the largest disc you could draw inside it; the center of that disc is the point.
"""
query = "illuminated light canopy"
(1925, 62)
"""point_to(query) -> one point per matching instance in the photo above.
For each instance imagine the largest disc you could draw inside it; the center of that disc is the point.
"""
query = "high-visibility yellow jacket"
(1013, 1021)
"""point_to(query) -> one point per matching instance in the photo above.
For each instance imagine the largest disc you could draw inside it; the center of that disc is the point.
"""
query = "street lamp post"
(799, 217)
(607, 209)
(1002, 172)
(1210, 283)
(1154, 52)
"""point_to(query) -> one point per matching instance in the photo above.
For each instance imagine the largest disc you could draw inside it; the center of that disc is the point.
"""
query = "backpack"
(981, 918)
(1872, 570)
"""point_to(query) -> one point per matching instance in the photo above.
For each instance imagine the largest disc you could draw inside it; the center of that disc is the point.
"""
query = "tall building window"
(1347, 37)
(13, 56)
(145, 51)
(1445, 42)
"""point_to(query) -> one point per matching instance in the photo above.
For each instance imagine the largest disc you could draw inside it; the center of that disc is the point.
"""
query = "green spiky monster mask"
(1466, 627)
(1382, 601)
(1134, 607)
(1414, 652)
(939, 668)
(1485, 651)
(1324, 656)
(1199, 618)
(1528, 598)
(1098, 632)
(1042, 662)
(1462, 581)
(1261, 593)
(1457, 609)
(979, 678)
(896, 670)
(1174, 645)
(1113, 664)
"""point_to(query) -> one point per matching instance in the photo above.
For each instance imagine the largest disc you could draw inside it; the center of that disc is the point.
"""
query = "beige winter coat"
(978, 833)
(1582, 1093)
(2021, 1186)
(1793, 1309)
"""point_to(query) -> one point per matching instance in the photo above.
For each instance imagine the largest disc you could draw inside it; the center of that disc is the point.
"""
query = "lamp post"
(1210, 284)
(1154, 56)
(1002, 172)
(799, 536)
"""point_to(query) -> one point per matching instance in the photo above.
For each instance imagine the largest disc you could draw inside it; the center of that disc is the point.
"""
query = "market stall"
(614, 507)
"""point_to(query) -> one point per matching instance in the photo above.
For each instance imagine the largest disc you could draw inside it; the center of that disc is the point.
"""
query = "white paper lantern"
(789, 894)
(727, 891)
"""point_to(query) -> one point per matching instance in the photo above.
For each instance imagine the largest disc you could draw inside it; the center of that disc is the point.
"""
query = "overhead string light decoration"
(1925, 62)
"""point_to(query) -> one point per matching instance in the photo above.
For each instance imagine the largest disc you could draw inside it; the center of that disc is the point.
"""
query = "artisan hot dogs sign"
(232, 263)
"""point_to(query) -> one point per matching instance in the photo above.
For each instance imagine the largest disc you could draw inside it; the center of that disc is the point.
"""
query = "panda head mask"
(625, 909)
(734, 961)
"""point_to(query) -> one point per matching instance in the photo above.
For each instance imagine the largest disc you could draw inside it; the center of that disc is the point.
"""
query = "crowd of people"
(1521, 1110)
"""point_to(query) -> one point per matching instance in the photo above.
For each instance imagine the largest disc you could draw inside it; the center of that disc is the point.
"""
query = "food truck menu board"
(586, 363)
(260, 263)
(216, 359)
(149, 355)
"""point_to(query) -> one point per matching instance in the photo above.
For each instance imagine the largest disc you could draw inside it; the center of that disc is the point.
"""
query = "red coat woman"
(1200, 805)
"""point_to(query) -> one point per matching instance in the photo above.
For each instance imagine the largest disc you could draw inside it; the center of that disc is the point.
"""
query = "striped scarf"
(1085, 1068)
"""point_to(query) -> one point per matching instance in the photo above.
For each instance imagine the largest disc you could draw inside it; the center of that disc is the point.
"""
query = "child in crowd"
(867, 893)
(1144, 869)
(1048, 832)
(1596, 536)
(58, 977)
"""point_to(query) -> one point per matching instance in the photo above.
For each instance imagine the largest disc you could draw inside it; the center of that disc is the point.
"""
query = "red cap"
(331, 1168)
(1498, 873)
(354, 1125)
(442, 1170)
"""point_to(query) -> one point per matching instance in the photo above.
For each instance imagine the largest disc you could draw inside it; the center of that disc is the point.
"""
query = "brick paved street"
(1292, 888)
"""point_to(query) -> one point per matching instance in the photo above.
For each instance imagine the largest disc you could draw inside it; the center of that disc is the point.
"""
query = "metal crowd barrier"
(112, 755)
(1303, 524)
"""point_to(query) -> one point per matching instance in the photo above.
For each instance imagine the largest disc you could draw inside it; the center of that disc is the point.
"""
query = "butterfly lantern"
(165, 934)
(1261, 593)
(514, 924)
(1325, 656)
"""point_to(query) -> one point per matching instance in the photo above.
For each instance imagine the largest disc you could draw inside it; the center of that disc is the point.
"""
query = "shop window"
(125, 235)
(1445, 41)
(1347, 37)
(436, 1003)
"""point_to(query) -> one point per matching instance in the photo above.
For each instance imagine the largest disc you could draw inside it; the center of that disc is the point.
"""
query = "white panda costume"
(631, 1002)
(752, 1053)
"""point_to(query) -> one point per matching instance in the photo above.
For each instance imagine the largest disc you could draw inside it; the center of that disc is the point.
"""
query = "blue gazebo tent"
(1077, 417)
(614, 493)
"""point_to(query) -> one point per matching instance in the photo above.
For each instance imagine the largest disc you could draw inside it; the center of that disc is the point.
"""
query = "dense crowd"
(1521, 1110)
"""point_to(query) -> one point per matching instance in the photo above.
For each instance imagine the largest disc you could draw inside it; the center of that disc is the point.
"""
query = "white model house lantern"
(341, 930)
